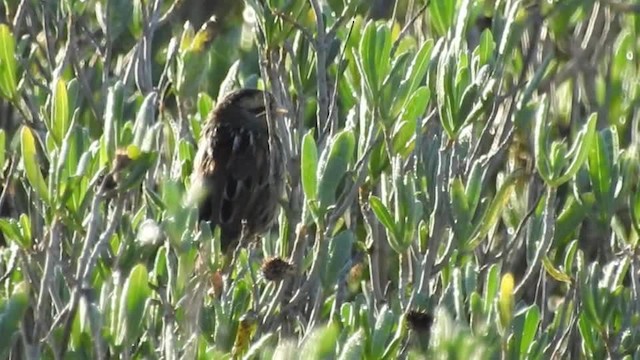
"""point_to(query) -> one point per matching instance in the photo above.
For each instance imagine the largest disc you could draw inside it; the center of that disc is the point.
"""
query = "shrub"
(461, 180)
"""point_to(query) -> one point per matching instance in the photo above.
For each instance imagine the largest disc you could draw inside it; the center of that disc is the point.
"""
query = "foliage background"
(462, 179)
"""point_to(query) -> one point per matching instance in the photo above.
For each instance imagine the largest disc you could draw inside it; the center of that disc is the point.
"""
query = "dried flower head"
(420, 321)
(276, 269)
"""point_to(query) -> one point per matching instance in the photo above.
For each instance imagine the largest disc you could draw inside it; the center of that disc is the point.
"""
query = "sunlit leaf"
(59, 113)
(31, 165)
(134, 296)
(8, 64)
(309, 166)
(505, 301)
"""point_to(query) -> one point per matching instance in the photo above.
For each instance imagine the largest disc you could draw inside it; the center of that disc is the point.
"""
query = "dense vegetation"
(462, 179)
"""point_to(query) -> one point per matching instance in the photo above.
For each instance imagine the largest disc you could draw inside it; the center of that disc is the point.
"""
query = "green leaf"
(492, 214)
(309, 166)
(134, 296)
(347, 315)
(570, 255)
(192, 62)
(510, 31)
(30, 164)
(12, 311)
(205, 105)
(340, 249)
(333, 167)
(382, 51)
(142, 134)
(590, 297)
(446, 93)
(579, 151)
(417, 104)
(555, 273)
(571, 217)
(135, 25)
(354, 347)
(529, 329)
(25, 229)
(8, 64)
(112, 122)
(3, 149)
(486, 47)
(467, 104)
(506, 302)
(382, 332)
(11, 230)
(474, 186)
(542, 161)
(415, 74)
(321, 343)
(460, 209)
(634, 205)
(60, 114)
(441, 13)
(375, 55)
(365, 61)
(404, 131)
(159, 274)
(603, 170)
(491, 287)
(68, 157)
(383, 215)
(462, 8)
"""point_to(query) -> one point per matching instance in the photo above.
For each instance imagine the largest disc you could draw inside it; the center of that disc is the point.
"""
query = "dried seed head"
(276, 269)
(419, 320)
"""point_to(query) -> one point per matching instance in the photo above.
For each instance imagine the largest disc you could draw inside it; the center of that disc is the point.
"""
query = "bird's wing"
(234, 165)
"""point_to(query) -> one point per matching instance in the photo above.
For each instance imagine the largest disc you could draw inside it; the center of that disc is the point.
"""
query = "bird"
(239, 166)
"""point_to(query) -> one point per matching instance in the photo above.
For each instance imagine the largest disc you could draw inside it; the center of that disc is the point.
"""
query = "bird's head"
(246, 105)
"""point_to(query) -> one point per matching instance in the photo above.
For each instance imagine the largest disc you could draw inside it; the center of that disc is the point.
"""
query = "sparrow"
(239, 172)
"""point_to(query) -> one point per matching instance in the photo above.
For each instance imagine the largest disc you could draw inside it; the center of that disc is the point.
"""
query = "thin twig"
(406, 27)
(548, 231)
(305, 32)
(170, 13)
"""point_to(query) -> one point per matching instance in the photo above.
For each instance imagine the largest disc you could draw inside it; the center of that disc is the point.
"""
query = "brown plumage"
(233, 167)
